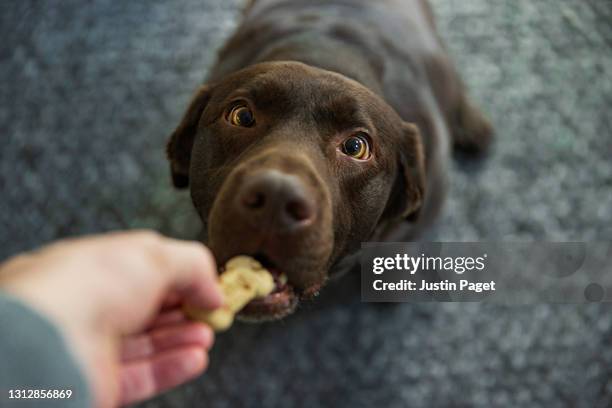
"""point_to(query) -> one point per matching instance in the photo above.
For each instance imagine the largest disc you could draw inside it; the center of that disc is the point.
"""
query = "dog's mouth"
(281, 302)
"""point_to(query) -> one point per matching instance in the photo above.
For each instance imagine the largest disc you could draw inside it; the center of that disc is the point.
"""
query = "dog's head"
(296, 166)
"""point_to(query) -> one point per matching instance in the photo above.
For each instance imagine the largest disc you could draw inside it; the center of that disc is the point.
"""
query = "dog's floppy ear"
(180, 144)
(409, 189)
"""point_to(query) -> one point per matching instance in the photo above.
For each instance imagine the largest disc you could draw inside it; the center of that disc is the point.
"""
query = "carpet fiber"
(90, 92)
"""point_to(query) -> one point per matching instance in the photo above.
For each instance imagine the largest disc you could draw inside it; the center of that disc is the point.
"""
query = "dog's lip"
(282, 297)
(277, 304)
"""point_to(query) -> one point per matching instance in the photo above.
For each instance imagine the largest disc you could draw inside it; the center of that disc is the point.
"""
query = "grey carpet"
(91, 90)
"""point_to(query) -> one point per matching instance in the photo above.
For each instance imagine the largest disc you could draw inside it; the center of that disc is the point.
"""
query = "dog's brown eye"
(357, 147)
(241, 116)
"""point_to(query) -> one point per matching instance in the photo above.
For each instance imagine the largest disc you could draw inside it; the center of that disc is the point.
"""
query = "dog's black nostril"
(254, 200)
(275, 201)
(299, 210)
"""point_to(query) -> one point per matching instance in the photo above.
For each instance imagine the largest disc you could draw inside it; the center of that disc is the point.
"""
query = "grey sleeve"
(34, 356)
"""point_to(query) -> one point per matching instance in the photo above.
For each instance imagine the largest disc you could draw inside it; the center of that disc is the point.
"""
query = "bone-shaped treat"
(244, 279)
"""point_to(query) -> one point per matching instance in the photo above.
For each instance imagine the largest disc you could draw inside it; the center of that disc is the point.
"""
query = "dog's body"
(370, 67)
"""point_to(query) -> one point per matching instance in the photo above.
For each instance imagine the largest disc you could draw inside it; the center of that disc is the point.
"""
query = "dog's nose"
(276, 201)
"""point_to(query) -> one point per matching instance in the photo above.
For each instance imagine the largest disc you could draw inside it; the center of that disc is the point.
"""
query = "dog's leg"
(471, 131)
(247, 6)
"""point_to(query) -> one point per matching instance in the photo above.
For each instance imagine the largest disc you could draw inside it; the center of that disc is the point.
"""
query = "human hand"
(115, 298)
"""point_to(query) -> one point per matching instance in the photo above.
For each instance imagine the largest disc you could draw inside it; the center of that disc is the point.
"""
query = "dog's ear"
(180, 144)
(409, 189)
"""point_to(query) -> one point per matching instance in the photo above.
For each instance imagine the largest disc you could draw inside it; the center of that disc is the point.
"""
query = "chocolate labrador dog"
(323, 124)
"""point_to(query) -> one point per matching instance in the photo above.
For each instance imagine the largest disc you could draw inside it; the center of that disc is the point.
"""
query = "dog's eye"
(242, 116)
(357, 147)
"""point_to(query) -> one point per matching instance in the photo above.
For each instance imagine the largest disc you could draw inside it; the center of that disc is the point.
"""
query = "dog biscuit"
(244, 279)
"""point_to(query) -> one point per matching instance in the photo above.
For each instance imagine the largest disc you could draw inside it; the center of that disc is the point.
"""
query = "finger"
(192, 272)
(167, 318)
(147, 378)
(167, 338)
(155, 266)
(171, 301)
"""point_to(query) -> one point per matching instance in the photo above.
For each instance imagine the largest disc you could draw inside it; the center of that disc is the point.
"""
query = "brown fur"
(313, 73)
